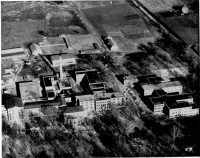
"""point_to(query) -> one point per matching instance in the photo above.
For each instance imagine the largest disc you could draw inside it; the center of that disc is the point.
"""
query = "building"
(110, 43)
(66, 59)
(152, 83)
(86, 101)
(13, 53)
(13, 110)
(35, 49)
(104, 101)
(90, 81)
(41, 108)
(127, 80)
(159, 103)
(29, 91)
(177, 109)
(74, 115)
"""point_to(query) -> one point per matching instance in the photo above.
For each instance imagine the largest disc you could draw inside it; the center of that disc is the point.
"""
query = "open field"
(160, 5)
(92, 4)
(125, 23)
(13, 34)
(31, 20)
(187, 27)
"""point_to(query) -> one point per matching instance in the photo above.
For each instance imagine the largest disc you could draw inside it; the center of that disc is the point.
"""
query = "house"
(13, 110)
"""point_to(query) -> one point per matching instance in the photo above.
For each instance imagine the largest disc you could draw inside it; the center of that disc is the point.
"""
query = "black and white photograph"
(100, 78)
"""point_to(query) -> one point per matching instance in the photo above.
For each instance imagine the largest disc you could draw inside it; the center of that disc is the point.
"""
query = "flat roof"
(170, 98)
(96, 85)
(39, 104)
(179, 105)
(144, 78)
(93, 77)
(29, 89)
(161, 85)
(12, 54)
(85, 97)
(73, 109)
(109, 95)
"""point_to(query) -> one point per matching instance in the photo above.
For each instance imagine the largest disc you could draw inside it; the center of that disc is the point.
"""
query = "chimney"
(61, 68)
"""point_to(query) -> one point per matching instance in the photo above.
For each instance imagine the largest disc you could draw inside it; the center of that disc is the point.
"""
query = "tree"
(175, 133)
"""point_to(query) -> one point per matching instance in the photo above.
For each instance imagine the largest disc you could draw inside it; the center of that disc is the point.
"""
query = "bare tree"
(175, 133)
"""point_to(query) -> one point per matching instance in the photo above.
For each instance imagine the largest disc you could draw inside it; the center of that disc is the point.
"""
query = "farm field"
(187, 27)
(160, 5)
(126, 23)
(28, 21)
(92, 4)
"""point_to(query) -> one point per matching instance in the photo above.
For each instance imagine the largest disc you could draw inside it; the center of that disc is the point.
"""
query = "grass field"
(13, 34)
(22, 21)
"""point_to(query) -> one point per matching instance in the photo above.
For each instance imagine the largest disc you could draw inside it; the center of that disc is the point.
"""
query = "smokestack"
(61, 68)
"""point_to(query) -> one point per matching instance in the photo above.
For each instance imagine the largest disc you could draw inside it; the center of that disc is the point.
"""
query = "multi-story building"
(41, 108)
(104, 101)
(180, 100)
(177, 109)
(86, 101)
(13, 110)
(127, 80)
(90, 81)
(167, 85)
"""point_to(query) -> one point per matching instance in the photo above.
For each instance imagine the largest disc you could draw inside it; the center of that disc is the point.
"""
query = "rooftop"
(144, 79)
(109, 95)
(97, 85)
(39, 104)
(93, 77)
(14, 102)
(85, 97)
(161, 85)
(170, 98)
(179, 105)
(28, 89)
(73, 109)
